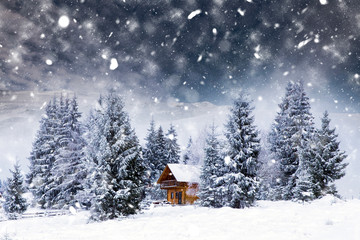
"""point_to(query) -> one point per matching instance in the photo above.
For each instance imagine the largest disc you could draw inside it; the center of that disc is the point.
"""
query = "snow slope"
(327, 218)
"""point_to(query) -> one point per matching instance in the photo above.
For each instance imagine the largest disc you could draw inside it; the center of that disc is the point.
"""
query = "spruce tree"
(293, 130)
(211, 192)
(15, 204)
(120, 171)
(69, 170)
(160, 160)
(42, 156)
(328, 160)
(171, 146)
(305, 186)
(149, 153)
(160, 152)
(94, 136)
(269, 173)
(244, 148)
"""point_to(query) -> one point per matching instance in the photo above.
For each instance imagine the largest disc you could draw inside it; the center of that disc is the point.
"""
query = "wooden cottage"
(181, 182)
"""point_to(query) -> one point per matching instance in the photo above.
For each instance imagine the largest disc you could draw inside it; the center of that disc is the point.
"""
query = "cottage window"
(172, 195)
(176, 196)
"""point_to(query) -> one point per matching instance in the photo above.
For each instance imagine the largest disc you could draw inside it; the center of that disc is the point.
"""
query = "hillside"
(327, 218)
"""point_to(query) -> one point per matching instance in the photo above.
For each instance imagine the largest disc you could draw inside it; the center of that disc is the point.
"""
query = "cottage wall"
(178, 192)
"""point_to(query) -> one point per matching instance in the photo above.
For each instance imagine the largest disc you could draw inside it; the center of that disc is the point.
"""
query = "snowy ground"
(323, 219)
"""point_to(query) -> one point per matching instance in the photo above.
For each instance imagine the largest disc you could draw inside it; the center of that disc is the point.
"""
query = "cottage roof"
(183, 173)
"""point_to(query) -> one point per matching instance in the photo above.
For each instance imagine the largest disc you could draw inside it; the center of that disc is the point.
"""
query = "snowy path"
(322, 219)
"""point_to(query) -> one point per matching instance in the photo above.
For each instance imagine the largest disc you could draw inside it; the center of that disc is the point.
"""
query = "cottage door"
(180, 197)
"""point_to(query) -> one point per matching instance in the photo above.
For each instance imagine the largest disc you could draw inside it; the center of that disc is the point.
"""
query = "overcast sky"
(186, 49)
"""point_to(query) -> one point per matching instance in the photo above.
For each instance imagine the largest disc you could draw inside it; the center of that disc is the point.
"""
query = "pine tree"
(42, 156)
(15, 204)
(160, 152)
(171, 146)
(57, 161)
(305, 184)
(328, 159)
(119, 176)
(211, 192)
(94, 136)
(149, 153)
(244, 148)
(187, 154)
(269, 173)
(69, 170)
(293, 127)
(160, 160)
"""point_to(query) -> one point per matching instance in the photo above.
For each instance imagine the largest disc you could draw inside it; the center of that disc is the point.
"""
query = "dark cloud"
(227, 44)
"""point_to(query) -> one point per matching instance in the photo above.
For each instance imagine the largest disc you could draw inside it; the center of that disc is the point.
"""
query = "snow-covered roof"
(185, 173)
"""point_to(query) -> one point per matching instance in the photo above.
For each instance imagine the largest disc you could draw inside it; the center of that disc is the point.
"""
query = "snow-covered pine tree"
(187, 154)
(244, 148)
(78, 164)
(303, 189)
(42, 155)
(152, 153)
(269, 173)
(211, 192)
(95, 184)
(70, 166)
(292, 129)
(120, 172)
(160, 160)
(160, 152)
(15, 204)
(149, 153)
(329, 160)
(305, 185)
(54, 179)
(171, 146)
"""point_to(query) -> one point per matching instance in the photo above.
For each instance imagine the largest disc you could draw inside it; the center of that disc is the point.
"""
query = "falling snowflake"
(214, 31)
(64, 21)
(257, 56)
(303, 43)
(49, 62)
(241, 12)
(194, 13)
(113, 64)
